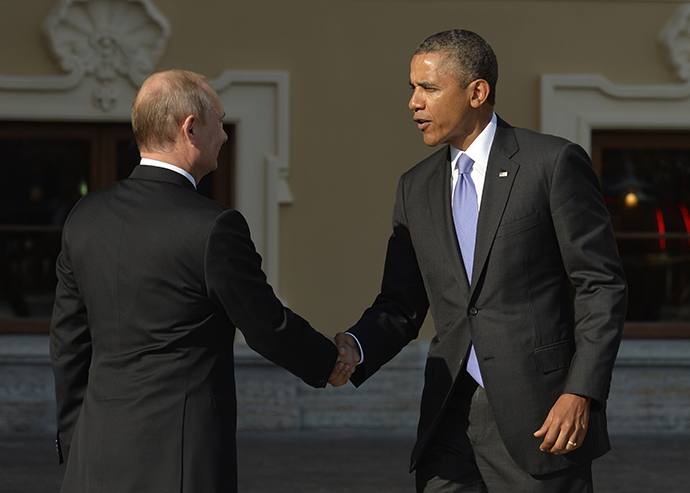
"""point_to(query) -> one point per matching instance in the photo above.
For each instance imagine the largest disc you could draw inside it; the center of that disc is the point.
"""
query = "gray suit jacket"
(153, 279)
(547, 300)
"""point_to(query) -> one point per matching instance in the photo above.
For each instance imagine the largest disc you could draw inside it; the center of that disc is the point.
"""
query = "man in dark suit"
(504, 235)
(153, 280)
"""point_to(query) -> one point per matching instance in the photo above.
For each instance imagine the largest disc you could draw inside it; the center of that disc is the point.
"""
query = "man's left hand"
(566, 425)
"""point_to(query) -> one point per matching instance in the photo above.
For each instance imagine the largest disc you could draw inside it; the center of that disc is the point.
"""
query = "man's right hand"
(348, 358)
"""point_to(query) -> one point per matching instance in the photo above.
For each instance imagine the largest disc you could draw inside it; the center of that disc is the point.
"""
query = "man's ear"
(188, 129)
(480, 92)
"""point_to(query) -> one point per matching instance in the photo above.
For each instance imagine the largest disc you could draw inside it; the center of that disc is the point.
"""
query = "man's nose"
(416, 101)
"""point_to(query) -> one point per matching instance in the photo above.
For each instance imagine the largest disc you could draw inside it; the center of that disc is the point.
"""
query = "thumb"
(341, 342)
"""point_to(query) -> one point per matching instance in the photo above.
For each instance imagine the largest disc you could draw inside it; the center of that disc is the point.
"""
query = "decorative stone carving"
(107, 39)
(675, 36)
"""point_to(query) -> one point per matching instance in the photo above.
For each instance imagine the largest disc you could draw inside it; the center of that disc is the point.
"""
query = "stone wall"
(27, 402)
(650, 391)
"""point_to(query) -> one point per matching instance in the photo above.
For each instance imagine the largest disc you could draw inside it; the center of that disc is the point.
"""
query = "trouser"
(468, 455)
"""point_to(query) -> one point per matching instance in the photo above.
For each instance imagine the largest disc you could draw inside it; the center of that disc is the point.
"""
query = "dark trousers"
(468, 455)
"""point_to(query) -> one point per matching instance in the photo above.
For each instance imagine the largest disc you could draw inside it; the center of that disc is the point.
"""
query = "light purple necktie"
(465, 213)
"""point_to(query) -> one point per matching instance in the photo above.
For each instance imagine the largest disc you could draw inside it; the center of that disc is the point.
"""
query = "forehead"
(429, 66)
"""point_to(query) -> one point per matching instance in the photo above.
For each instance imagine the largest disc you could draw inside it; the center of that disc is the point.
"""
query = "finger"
(542, 431)
(550, 437)
(338, 379)
(350, 357)
(561, 444)
(337, 382)
(341, 339)
(337, 373)
(548, 443)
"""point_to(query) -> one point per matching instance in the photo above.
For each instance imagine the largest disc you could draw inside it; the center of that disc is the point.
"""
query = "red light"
(686, 217)
(662, 229)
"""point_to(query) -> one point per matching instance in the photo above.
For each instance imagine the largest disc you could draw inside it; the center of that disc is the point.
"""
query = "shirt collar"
(160, 164)
(479, 149)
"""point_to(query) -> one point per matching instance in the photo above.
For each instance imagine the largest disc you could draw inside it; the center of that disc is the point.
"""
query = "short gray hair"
(162, 104)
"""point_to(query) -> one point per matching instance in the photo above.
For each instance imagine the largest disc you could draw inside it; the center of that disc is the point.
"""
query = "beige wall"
(351, 132)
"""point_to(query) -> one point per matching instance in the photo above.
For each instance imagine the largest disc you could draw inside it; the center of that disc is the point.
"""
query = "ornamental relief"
(107, 39)
(675, 37)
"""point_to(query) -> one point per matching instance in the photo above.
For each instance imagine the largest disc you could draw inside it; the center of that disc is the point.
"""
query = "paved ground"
(364, 462)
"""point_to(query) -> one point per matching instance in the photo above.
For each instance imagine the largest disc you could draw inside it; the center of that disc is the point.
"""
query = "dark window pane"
(647, 192)
(27, 273)
(127, 157)
(42, 180)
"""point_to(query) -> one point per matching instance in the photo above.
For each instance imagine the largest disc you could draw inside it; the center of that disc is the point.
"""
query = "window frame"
(643, 139)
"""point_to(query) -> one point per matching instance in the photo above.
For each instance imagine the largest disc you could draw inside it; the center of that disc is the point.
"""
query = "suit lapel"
(438, 193)
(500, 176)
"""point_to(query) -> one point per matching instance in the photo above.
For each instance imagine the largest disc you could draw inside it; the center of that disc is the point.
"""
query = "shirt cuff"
(361, 351)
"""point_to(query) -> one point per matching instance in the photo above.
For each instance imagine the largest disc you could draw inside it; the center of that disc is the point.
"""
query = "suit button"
(473, 311)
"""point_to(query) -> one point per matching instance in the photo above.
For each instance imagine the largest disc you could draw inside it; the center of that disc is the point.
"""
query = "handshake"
(348, 359)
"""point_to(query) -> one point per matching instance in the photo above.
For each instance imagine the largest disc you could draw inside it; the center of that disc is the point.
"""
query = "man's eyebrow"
(423, 84)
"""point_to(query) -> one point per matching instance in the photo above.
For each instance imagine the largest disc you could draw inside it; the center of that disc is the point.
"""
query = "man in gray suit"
(153, 280)
(504, 235)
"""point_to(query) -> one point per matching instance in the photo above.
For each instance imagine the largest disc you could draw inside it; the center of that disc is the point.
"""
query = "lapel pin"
(503, 174)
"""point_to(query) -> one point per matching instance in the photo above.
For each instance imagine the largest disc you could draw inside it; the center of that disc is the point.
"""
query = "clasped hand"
(348, 358)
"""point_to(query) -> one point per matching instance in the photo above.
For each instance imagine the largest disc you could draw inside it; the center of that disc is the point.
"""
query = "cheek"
(441, 118)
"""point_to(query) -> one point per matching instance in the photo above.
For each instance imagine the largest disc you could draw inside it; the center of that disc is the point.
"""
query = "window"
(645, 179)
(46, 168)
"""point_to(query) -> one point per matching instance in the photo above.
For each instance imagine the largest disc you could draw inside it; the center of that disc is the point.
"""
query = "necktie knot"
(465, 164)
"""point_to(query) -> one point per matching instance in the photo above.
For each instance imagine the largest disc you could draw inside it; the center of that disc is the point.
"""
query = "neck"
(484, 115)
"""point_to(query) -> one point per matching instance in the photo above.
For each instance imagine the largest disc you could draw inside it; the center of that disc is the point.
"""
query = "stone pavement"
(359, 461)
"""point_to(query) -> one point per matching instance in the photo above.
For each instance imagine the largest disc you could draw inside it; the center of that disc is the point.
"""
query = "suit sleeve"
(398, 312)
(236, 282)
(590, 256)
(70, 350)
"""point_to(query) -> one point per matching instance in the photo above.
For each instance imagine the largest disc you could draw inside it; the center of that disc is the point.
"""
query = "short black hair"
(468, 57)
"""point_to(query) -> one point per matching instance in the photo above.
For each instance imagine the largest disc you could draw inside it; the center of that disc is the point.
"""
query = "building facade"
(316, 99)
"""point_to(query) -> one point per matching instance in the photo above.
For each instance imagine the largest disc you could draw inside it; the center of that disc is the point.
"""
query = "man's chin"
(430, 140)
